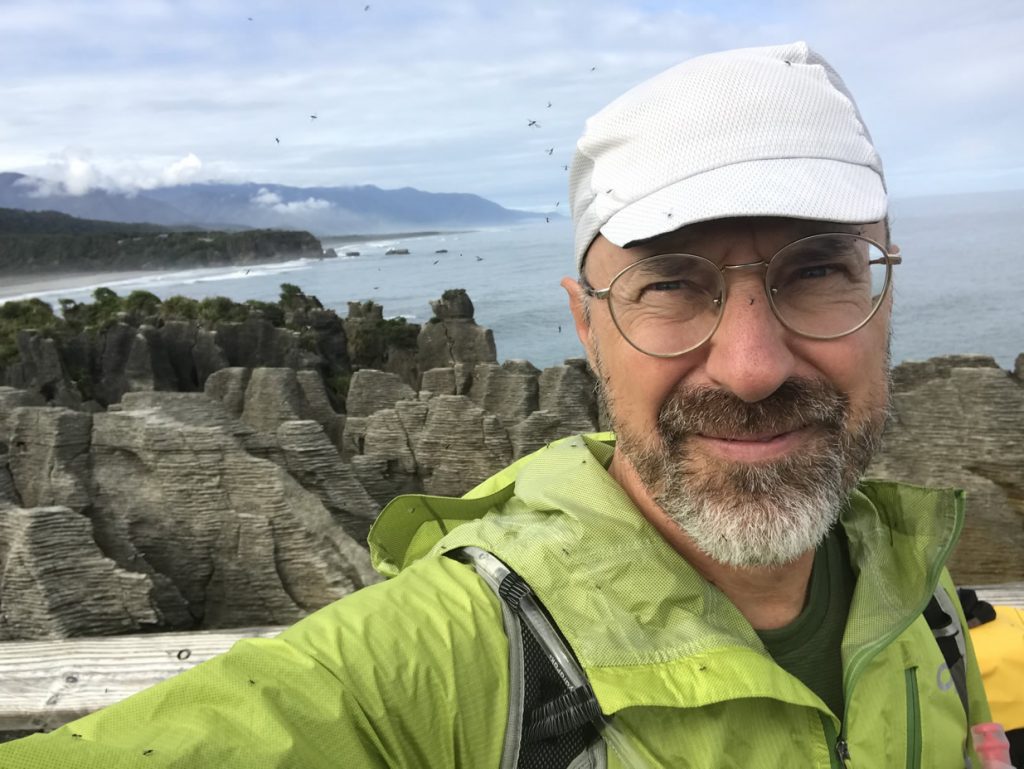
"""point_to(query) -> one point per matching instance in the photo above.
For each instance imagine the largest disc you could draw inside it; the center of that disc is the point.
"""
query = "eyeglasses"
(821, 287)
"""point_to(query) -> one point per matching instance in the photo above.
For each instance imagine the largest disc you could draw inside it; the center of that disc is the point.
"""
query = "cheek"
(638, 384)
(856, 365)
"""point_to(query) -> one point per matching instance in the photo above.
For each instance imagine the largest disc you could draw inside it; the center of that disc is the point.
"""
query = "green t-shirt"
(808, 647)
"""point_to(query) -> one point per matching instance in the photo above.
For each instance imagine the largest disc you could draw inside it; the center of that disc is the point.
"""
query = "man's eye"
(819, 271)
(665, 285)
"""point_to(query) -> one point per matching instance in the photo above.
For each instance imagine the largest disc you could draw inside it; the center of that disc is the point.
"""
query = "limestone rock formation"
(379, 343)
(237, 537)
(228, 386)
(162, 500)
(509, 390)
(958, 421)
(10, 399)
(39, 368)
(8, 494)
(388, 467)
(568, 391)
(272, 396)
(49, 457)
(258, 343)
(452, 336)
(98, 366)
(444, 445)
(312, 459)
(372, 390)
(438, 381)
(460, 445)
(56, 582)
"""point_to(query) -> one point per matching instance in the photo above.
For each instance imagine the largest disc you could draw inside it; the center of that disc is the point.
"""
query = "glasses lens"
(827, 285)
(667, 304)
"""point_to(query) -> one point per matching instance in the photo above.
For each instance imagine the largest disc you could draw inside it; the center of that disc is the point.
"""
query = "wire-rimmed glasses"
(823, 286)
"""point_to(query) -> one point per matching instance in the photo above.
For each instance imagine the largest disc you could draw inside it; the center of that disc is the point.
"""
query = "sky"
(132, 94)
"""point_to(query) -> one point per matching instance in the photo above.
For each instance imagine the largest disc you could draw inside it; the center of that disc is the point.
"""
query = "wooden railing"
(44, 684)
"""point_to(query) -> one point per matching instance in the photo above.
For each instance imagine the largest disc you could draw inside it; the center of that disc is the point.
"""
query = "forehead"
(714, 239)
(714, 232)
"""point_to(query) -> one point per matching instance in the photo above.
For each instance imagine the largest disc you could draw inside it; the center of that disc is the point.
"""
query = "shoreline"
(27, 286)
(21, 286)
(373, 237)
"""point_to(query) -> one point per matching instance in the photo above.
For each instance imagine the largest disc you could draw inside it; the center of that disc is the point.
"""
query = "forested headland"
(43, 242)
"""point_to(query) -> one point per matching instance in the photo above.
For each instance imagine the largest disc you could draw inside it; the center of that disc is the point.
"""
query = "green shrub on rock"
(142, 304)
(179, 307)
(21, 315)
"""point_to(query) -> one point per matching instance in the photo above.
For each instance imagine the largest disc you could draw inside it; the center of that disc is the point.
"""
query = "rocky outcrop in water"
(249, 502)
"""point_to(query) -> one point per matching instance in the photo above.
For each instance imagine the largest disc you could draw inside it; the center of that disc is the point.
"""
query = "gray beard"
(747, 515)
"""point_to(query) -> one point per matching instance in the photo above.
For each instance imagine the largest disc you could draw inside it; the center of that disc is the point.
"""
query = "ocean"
(960, 288)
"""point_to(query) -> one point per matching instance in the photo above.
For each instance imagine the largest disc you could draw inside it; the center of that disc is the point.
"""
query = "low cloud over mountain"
(321, 210)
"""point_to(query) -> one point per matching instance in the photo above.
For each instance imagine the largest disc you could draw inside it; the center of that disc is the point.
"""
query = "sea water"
(960, 288)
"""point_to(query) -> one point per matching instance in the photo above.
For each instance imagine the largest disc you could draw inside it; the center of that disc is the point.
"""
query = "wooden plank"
(44, 684)
(1007, 594)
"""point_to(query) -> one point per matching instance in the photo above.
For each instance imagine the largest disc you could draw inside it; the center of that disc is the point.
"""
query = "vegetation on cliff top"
(371, 338)
(135, 309)
(14, 221)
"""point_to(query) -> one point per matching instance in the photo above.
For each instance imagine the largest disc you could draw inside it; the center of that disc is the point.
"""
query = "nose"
(749, 353)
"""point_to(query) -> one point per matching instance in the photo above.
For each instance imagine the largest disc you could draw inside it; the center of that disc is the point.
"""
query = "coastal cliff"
(225, 473)
(42, 243)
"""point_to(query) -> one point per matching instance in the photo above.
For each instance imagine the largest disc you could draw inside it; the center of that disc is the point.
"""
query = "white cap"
(750, 132)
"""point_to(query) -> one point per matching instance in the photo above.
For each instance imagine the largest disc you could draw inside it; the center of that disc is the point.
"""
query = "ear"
(575, 292)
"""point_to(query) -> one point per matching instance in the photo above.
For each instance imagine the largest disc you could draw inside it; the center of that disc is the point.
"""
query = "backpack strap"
(553, 714)
(554, 719)
(944, 620)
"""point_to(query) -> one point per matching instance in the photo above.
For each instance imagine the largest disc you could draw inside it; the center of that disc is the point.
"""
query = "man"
(732, 595)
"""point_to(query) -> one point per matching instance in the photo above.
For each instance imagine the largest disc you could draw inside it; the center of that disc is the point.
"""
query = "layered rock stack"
(958, 421)
(248, 502)
(174, 511)
(465, 423)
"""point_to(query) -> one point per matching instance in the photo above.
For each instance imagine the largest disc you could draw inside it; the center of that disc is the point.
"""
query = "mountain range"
(218, 205)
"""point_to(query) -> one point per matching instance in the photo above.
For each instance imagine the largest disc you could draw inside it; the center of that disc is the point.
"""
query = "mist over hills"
(218, 205)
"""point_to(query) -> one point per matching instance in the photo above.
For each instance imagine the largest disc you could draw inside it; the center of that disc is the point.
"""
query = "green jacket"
(413, 672)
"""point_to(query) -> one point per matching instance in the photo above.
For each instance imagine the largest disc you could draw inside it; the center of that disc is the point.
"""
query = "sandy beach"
(46, 285)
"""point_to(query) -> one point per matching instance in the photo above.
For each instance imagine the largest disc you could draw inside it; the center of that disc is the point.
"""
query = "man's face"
(752, 442)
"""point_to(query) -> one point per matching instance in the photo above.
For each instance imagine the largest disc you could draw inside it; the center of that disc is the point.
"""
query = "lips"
(758, 438)
(754, 448)
(716, 423)
(755, 437)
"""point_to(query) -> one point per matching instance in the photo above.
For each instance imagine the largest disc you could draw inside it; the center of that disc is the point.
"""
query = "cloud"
(74, 172)
(275, 202)
(181, 171)
(70, 173)
(266, 198)
(437, 96)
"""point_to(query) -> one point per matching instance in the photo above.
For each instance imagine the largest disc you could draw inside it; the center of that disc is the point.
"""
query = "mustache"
(711, 411)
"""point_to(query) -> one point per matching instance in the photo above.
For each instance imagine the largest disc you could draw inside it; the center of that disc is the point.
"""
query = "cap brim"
(799, 188)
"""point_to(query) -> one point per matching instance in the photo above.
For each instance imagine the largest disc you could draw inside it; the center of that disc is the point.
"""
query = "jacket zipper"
(838, 753)
(913, 720)
(868, 652)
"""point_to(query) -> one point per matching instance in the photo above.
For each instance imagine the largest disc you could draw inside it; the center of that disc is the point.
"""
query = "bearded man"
(734, 594)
